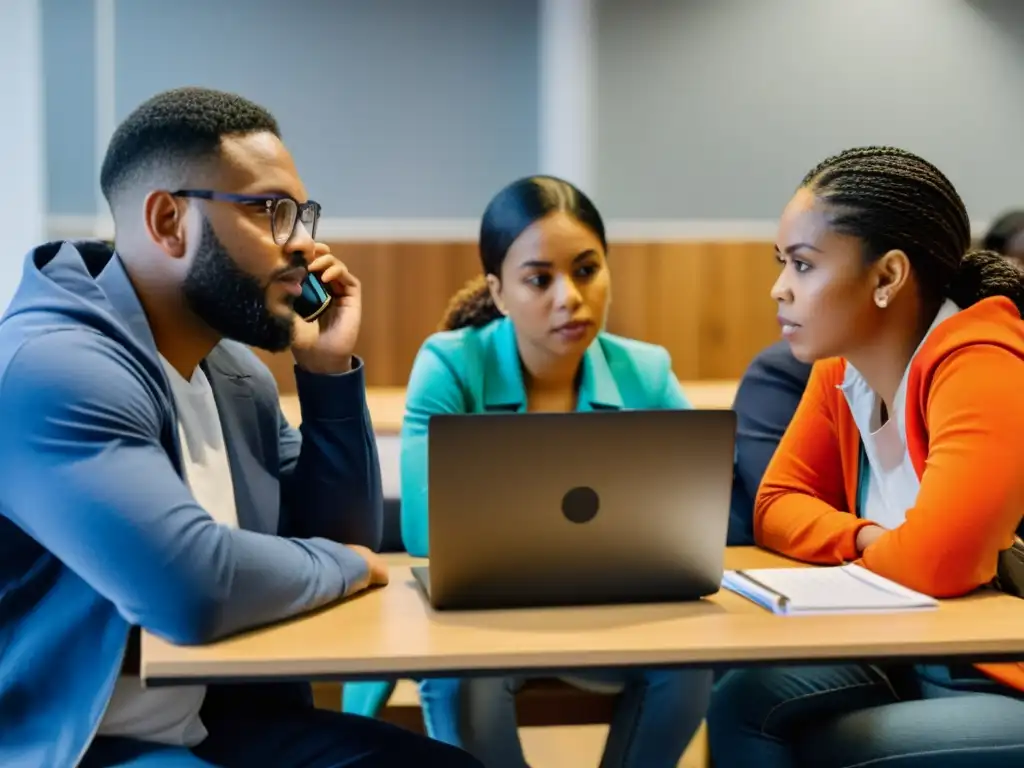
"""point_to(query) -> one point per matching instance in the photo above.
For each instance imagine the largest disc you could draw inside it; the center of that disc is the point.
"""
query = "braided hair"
(891, 199)
(510, 212)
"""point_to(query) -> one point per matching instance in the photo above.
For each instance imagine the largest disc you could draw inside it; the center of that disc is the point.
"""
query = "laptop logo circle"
(580, 505)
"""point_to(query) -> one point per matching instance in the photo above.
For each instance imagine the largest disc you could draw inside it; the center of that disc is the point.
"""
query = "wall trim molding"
(461, 230)
(74, 227)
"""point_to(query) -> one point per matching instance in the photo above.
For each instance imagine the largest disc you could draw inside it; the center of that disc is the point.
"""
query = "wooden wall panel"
(707, 303)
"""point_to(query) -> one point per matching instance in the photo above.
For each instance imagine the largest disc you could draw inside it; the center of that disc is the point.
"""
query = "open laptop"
(542, 509)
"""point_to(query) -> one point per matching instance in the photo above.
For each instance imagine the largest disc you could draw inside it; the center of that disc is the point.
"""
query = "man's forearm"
(333, 488)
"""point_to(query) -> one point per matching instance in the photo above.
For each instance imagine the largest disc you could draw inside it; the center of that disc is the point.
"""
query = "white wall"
(716, 109)
(681, 118)
(392, 108)
(22, 169)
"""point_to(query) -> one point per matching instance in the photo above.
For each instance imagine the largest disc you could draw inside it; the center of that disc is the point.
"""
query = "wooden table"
(711, 395)
(392, 632)
(387, 404)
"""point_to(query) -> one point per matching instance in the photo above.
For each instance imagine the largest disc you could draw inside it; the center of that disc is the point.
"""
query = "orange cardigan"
(965, 436)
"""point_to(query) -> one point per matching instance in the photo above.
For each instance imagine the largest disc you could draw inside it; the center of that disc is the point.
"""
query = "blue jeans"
(311, 738)
(852, 715)
(656, 715)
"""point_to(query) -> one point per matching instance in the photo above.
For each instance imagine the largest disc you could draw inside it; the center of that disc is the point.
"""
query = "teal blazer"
(477, 370)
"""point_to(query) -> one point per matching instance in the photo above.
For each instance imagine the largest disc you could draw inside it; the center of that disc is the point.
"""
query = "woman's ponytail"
(983, 274)
(470, 307)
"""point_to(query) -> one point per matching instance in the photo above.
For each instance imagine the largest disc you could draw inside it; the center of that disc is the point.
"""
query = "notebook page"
(836, 589)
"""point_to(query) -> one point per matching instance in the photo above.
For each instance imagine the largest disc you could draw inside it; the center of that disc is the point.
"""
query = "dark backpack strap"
(863, 481)
(1010, 570)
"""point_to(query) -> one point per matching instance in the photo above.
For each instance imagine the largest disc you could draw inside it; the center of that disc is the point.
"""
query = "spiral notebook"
(838, 589)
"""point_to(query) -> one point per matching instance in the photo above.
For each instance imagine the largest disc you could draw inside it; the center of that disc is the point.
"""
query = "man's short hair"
(174, 131)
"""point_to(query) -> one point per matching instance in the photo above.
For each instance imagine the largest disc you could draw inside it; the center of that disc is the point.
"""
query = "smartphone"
(314, 300)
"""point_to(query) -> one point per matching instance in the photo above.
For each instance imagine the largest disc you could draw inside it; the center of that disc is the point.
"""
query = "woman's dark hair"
(512, 210)
(1002, 231)
(892, 199)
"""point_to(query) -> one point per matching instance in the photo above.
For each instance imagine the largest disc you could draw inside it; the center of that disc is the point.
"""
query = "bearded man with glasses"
(150, 479)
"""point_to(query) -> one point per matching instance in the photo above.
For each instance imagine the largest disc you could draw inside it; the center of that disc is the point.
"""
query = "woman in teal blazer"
(527, 336)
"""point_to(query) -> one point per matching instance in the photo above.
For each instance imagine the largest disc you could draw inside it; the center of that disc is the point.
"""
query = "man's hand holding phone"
(326, 343)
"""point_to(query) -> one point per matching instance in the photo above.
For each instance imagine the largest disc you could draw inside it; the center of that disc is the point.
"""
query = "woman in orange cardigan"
(906, 453)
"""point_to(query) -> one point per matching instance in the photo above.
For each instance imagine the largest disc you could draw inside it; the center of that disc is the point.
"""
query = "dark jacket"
(768, 395)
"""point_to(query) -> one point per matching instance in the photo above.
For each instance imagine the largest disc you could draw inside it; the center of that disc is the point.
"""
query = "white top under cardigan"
(171, 715)
(893, 484)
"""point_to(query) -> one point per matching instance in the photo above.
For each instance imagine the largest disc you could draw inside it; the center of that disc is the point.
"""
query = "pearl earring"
(881, 300)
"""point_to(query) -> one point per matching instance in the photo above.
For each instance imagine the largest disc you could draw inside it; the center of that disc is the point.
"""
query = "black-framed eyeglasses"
(284, 212)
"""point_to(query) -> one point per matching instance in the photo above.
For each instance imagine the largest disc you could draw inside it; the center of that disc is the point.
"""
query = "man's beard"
(231, 301)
